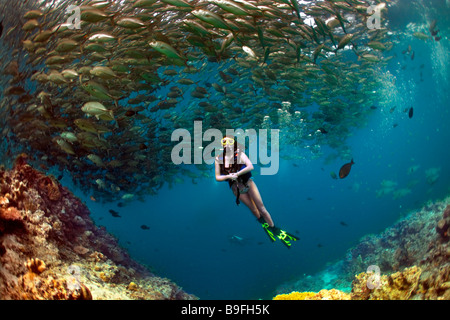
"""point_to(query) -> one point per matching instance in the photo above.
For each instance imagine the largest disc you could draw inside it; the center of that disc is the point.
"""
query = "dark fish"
(120, 204)
(345, 169)
(342, 223)
(1, 28)
(432, 25)
(413, 55)
(437, 38)
(144, 227)
(115, 214)
(433, 29)
(411, 112)
(319, 245)
(130, 113)
(322, 130)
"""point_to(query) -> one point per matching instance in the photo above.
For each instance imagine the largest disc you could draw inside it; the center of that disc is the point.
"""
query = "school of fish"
(98, 99)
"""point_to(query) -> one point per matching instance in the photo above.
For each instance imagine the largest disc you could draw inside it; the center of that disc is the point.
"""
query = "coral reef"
(50, 248)
(324, 294)
(413, 255)
(397, 286)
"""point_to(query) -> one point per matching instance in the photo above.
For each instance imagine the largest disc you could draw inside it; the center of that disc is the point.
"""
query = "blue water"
(191, 224)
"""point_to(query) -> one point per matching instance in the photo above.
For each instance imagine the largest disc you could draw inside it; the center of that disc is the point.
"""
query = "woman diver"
(234, 166)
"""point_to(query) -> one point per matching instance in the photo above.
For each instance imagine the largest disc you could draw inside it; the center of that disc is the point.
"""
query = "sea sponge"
(35, 265)
(81, 293)
(360, 290)
(50, 188)
(443, 225)
(132, 286)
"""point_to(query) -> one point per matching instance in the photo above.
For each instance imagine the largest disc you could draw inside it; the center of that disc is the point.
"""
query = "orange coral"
(10, 213)
(36, 266)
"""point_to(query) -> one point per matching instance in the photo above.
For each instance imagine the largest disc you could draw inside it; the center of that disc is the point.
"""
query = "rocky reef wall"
(410, 261)
(51, 249)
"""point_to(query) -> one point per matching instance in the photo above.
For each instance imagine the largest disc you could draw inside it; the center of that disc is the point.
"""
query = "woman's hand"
(233, 176)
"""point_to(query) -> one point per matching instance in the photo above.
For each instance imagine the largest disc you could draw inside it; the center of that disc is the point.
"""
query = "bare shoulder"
(242, 156)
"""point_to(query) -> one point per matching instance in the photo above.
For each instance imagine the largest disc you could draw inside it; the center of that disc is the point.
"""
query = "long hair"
(236, 147)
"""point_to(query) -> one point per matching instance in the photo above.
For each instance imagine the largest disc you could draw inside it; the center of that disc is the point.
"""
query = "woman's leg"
(255, 196)
(245, 198)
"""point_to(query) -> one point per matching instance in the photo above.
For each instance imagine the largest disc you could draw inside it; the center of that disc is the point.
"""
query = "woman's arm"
(248, 164)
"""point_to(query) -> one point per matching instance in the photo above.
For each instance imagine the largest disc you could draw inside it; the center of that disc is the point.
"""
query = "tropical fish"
(103, 99)
(211, 18)
(103, 72)
(345, 169)
(166, 49)
(421, 36)
(114, 213)
(130, 23)
(96, 160)
(66, 147)
(98, 110)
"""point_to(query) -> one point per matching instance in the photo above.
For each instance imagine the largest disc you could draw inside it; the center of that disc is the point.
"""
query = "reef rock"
(397, 286)
(413, 257)
(50, 248)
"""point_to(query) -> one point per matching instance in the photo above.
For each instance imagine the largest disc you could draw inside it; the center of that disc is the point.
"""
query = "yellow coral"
(132, 286)
(397, 286)
(295, 295)
(332, 294)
